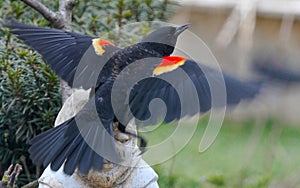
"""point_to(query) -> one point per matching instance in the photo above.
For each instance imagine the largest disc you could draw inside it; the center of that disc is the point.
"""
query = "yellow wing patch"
(99, 44)
(168, 64)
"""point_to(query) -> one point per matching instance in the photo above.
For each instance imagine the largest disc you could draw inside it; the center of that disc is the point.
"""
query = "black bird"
(78, 59)
(85, 61)
(81, 142)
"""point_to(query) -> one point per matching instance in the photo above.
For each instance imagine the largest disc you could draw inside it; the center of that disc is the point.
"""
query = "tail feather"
(48, 138)
(67, 144)
(42, 143)
(59, 147)
(87, 158)
(46, 134)
(74, 158)
(96, 161)
(85, 163)
(61, 157)
(61, 144)
(95, 158)
(42, 151)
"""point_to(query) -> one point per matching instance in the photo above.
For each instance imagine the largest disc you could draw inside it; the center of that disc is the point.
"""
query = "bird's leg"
(143, 142)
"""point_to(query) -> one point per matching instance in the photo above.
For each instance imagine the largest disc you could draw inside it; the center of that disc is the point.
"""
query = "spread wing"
(186, 89)
(72, 56)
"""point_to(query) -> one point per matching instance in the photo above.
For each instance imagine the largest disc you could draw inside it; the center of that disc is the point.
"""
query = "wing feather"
(64, 51)
(201, 78)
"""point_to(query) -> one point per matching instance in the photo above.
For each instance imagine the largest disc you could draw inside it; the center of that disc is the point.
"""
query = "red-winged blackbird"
(75, 141)
(75, 57)
(88, 62)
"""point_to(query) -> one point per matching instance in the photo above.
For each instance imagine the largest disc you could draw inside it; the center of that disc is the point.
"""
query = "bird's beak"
(181, 28)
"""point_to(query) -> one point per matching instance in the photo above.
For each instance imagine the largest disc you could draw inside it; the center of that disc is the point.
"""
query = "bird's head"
(164, 39)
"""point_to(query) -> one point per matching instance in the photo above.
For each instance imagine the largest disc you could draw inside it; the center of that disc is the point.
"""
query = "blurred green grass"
(252, 153)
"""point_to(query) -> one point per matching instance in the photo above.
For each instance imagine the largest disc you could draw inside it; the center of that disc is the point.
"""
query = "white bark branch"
(65, 9)
(43, 10)
(60, 19)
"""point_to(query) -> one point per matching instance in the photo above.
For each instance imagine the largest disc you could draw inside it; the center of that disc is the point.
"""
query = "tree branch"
(51, 16)
(65, 9)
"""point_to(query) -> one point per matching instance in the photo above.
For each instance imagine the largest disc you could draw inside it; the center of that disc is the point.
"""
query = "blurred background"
(246, 35)
(258, 145)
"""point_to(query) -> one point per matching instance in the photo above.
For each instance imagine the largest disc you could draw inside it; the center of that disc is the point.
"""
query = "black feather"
(64, 51)
(200, 77)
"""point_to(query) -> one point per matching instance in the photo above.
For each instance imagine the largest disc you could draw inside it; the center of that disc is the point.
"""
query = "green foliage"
(29, 99)
(170, 180)
(216, 179)
(237, 158)
(29, 90)
(110, 19)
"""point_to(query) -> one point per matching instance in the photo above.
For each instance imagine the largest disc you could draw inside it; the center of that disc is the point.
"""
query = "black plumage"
(83, 141)
(70, 55)
(202, 78)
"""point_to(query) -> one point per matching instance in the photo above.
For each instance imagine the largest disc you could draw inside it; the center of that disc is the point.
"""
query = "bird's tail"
(74, 146)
